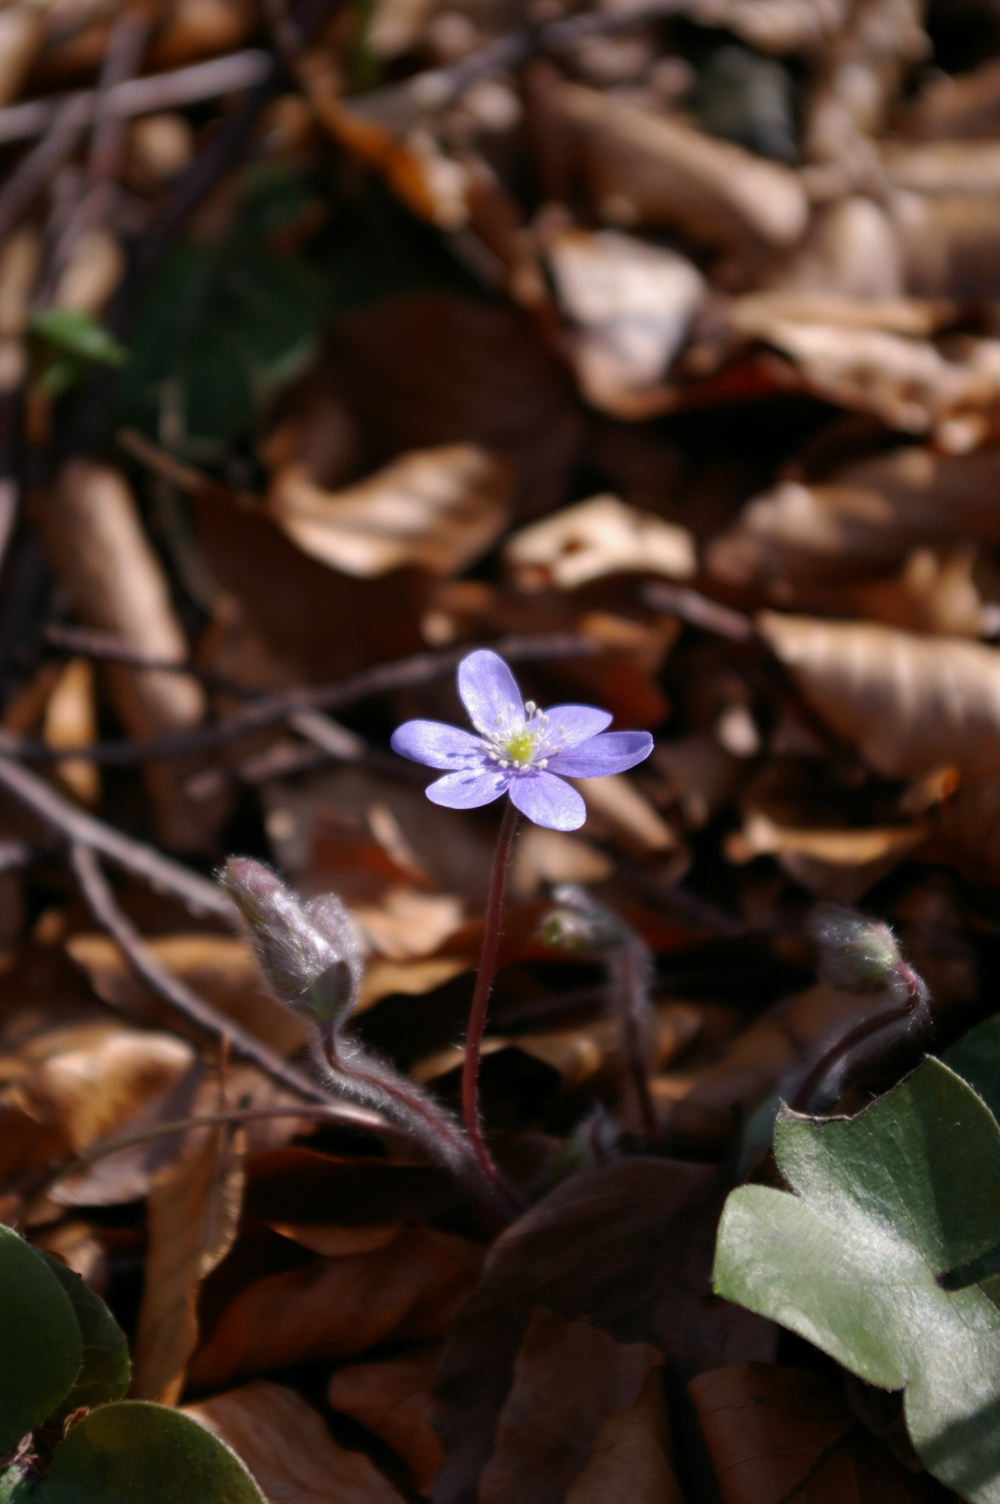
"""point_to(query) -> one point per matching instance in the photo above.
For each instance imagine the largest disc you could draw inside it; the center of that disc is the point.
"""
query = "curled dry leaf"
(393, 1400)
(194, 1210)
(21, 34)
(861, 519)
(570, 1379)
(948, 389)
(289, 1450)
(777, 1434)
(595, 538)
(627, 1246)
(646, 169)
(338, 1307)
(630, 305)
(908, 704)
(218, 967)
(432, 509)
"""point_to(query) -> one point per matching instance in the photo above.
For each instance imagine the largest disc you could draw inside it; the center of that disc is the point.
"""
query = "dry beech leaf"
(569, 1379)
(909, 704)
(630, 306)
(648, 169)
(944, 166)
(955, 107)
(770, 1058)
(432, 509)
(22, 32)
(630, 1457)
(627, 1246)
(949, 390)
(339, 1307)
(289, 1450)
(784, 1436)
(393, 1400)
(850, 253)
(91, 1080)
(833, 862)
(220, 968)
(595, 538)
(193, 1214)
(861, 519)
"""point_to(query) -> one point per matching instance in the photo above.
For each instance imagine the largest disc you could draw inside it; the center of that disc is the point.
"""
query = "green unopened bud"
(308, 951)
(580, 923)
(856, 953)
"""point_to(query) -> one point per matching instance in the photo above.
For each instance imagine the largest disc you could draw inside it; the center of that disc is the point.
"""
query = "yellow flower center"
(520, 747)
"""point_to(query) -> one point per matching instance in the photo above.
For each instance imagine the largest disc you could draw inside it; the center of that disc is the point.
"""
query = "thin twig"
(100, 899)
(277, 709)
(76, 825)
(141, 96)
(35, 169)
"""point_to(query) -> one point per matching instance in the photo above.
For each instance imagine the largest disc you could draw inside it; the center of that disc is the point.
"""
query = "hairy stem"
(480, 1006)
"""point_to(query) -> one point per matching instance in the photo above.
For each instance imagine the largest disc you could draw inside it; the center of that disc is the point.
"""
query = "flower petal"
(489, 693)
(467, 790)
(566, 725)
(611, 753)
(437, 745)
(548, 801)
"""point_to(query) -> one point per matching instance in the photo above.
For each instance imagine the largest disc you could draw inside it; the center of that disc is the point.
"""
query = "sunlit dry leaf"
(835, 863)
(71, 721)
(393, 1400)
(950, 243)
(569, 1379)
(861, 519)
(602, 536)
(93, 271)
(777, 26)
(948, 389)
(21, 34)
(944, 166)
(220, 968)
(778, 1435)
(621, 810)
(289, 1450)
(955, 106)
(194, 1210)
(909, 704)
(339, 1307)
(432, 509)
(631, 305)
(648, 169)
(851, 252)
(858, 73)
(626, 1246)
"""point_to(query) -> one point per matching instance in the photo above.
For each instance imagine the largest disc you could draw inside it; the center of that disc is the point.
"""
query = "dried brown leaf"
(631, 1458)
(194, 1210)
(569, 1379)
(630, 306)
(339, 1307)
(594, 538)
(627, 1246)
(648, 169)
(432, 509)
(965, 830)
(393, 1400)
(909, 704)
(287, 1447)
(784, 1436)
(861, 519)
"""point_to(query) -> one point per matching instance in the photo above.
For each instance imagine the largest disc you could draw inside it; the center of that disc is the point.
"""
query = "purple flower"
(520, 749)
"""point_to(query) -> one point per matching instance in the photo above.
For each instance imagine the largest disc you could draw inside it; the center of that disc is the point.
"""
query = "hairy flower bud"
(856, 953)
(308, 951)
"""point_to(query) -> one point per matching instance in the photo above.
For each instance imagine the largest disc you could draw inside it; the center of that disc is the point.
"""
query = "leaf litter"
(655, 349)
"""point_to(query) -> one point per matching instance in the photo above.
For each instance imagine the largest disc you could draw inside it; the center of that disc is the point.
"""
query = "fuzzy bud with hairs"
(308, 950)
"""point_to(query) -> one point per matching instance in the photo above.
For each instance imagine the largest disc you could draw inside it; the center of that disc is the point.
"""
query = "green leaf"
(69, 332)
(887, 1203)
(40, 1343)
(140, 1453)
(976, 1058)
(105, 1370)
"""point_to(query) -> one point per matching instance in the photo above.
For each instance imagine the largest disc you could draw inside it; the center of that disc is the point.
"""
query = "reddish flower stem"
(480, 1006)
